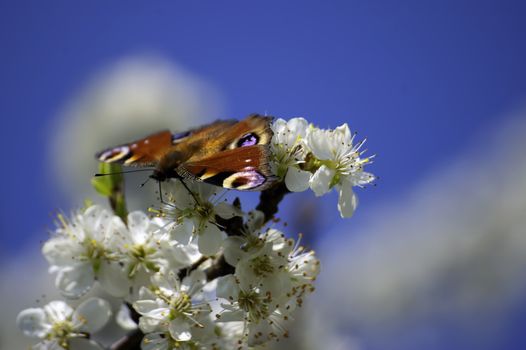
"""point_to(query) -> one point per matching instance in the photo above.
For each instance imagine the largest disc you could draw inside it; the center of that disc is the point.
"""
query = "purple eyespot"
(244, 180)
(249, 139)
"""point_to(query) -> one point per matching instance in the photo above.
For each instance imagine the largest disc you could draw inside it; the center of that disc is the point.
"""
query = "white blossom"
(148, 248)
(86, 249)
(57, 324)
(260, 258)
(262, 316)
(272, 276)
(304, 156)
(211, 336)
(239, 247)
(172, 307)
(191, 213)
(141, 244)
(338, 164)
(289, 151)
(303, 267)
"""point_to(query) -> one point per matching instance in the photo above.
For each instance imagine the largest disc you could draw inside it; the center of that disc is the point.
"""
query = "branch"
(131, 341)
(270, 199)
(219, 268)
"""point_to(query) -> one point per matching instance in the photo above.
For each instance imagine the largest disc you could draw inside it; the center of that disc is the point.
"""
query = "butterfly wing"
(228, 153)
(150, 150)
(251, 131)
(244, 168)
(144, 152)
(238, 158)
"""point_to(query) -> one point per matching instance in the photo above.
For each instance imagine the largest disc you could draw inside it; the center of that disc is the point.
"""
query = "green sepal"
(112, 186)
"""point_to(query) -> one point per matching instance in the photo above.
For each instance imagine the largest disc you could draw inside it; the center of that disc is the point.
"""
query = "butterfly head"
(158, 175)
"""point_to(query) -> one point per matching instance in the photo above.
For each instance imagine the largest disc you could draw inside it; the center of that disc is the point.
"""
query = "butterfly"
(228, 153)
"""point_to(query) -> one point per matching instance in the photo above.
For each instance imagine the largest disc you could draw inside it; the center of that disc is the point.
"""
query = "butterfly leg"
(188, 189)
(197, 202)
(161, 193)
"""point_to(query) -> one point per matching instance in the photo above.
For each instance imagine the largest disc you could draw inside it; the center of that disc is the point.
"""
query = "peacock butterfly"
(228, 153)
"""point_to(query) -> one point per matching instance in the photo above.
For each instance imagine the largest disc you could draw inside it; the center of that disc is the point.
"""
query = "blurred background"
(435, 256)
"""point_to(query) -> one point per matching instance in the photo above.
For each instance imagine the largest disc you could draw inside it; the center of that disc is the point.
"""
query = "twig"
(218, 269)
(131, 341)
(270, 199)
(186, 271)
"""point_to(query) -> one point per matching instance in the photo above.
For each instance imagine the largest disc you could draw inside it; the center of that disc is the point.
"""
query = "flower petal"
(155, 341)
(194, 282)
(152, 314)
(297, 180)
(210, 240)
(93, 314)
(33, 322)
(75, 281)
(347, 201)
(150, 308)
(343, 132)
(83, 344)
(148, 325)
(47, 345)
(180, 330)
(278, 126)
(96, 222)
(256, 219)
(321, 180)
(287, 133)
(138, 224)
(204, 190)
(319, 142)
(227, 211)
(145, 293)
(233, 252)
(299, 127)
(231, 316)
(183, 231)
(227, 287)
(177, 255)
(57, 311)
(113, 279)
(124, 320)
(61, 250)
(362, 178)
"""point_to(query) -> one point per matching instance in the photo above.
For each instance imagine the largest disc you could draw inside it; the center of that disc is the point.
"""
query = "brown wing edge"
(143, 152)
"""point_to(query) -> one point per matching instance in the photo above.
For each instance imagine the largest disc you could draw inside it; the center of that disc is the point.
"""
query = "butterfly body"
(228, 153)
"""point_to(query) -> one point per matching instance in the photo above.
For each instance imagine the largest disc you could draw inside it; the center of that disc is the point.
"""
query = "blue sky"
(419, 79)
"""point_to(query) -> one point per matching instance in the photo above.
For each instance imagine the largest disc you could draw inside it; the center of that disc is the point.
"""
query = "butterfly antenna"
(122, 172)
(144, 183)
